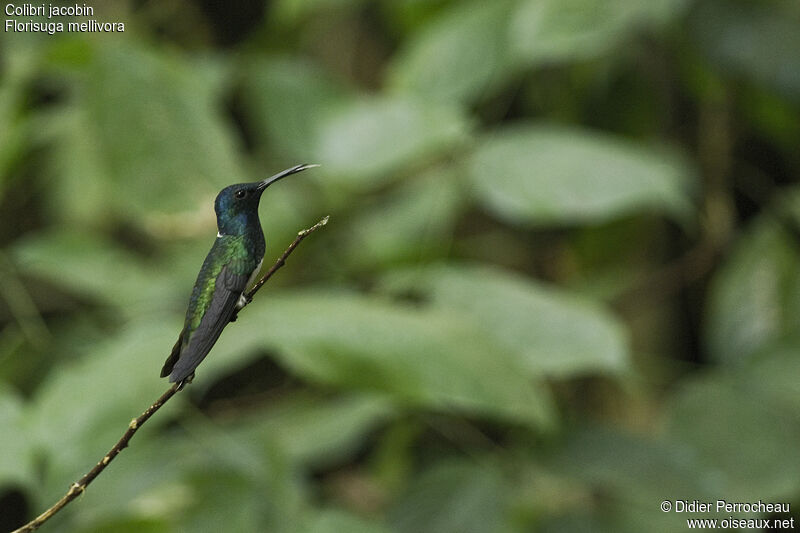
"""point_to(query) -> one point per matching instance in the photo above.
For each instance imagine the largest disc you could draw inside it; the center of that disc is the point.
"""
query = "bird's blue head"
(237, 205)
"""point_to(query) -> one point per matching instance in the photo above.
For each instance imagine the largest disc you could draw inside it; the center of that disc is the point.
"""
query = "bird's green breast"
(239, 254)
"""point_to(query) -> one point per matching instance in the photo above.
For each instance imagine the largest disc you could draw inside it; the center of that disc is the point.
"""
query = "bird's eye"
(241, 193)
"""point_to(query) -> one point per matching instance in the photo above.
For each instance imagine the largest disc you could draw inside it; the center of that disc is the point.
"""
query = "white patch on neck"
(219, 235)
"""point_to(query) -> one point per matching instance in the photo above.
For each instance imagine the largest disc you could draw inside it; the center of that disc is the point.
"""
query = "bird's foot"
(244, 300)
(185, 381)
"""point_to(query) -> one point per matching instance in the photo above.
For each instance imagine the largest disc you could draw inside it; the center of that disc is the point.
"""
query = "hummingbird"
(232, 264)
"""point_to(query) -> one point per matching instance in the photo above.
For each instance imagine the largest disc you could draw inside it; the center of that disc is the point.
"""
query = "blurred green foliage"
(561, 281)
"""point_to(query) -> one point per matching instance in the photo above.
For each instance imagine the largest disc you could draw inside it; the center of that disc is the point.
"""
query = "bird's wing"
(193, 348)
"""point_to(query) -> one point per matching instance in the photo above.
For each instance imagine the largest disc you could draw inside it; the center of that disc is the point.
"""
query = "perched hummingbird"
(234, 260)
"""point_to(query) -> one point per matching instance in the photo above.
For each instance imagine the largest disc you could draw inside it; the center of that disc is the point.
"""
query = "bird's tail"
(166, 370)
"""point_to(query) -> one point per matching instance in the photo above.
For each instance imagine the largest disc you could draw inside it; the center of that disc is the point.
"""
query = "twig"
(77, 488)
(282, 259)
(671, 278)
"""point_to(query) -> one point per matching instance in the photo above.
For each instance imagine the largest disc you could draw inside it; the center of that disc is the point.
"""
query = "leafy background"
(560, 284)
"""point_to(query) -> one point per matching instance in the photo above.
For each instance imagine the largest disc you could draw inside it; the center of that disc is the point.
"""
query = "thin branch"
(77, 488)
(666, 281)
(282, 259)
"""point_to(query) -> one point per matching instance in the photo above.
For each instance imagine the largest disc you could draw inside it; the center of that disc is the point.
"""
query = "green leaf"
(459, 56)
(755, 297)
(290, 11)
(640, 469)
(424, 357)
(83, 408)
(94, 267)
(409, 223)
(126, 525)
(546, 31)
(288, 98)
(746, 441)
(616, 515)
(544, 174)
(171, 478)
(76, 261)
(263, 493)
(80, 191)
(13, 133)
(549, 330)
(316, 431)
(16, 453)
(146, 482)
(757, 40)
(339, 521)
(361, 144)
(144, 133)
(775, 369)
(452, 497)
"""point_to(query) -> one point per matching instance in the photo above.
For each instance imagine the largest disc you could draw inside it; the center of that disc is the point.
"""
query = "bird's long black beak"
(272, 179)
